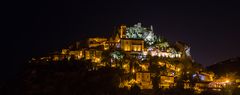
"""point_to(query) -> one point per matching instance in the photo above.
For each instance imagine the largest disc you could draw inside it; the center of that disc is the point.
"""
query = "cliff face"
(231, 65)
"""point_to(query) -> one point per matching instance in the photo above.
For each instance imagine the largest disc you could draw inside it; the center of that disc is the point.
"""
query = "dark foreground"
(78, 79)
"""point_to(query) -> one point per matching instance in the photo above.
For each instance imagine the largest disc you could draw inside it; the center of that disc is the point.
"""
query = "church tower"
(122, 31)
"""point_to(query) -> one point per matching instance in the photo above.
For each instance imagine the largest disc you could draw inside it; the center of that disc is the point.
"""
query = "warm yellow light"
(178, 69)
(133, 71)
(161, 63)
(97, 59)
(144, 67)
(227, 80)
(125, 66)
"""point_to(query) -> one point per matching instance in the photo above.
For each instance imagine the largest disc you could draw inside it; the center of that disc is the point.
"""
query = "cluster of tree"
(65, 78)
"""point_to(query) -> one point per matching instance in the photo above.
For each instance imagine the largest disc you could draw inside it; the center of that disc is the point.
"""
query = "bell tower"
(122, 31)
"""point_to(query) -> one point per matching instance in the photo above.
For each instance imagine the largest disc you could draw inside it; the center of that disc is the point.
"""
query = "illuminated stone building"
(114, 41)
(132, 45)
(144, 80)
(166, 81)
(122, 31)
(98, 42)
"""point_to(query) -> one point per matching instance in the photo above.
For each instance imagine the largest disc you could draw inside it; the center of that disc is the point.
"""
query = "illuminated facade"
(144, 80)
(166, 81)
(122, 31)
(98, 42)
(132, 45)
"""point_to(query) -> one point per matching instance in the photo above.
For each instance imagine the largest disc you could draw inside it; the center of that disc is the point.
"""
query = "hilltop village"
(147, 60)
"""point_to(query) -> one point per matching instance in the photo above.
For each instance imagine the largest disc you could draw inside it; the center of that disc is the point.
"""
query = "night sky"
(40, 27)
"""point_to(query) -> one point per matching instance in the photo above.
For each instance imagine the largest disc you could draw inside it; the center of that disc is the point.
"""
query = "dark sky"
(39, 27)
